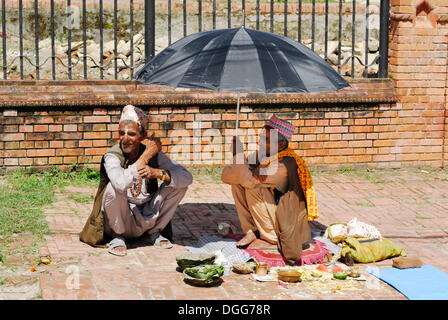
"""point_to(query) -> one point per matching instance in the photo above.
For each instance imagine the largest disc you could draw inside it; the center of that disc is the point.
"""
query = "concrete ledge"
(119, 93)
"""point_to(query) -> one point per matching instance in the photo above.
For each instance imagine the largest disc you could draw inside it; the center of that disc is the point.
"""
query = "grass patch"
(211, 174)
(347, 170)
(81, 197)
(364, 204)
(3, 281)
(23, 195)
(422, 217)
(373, 178)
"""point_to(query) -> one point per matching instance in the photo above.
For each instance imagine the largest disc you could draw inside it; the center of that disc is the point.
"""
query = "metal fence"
(80, 63)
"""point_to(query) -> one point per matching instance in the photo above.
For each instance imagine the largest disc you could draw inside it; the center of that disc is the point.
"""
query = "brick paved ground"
(409, 207)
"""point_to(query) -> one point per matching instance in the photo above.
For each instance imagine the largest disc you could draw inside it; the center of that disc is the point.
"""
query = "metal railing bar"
(384, 38)
(53, 60)
(84, 36)
(199, 15)
(326, 31)
(101, 40)
(366, 49)
(115, 40)
(69, 39)
(21, 38)
(214, 14)
(131, 34)
(36, 31)
(169, 22)
(299, 32)
(272, 17)
(353, 38)
(185, 17)
(5, 62)
(258, 15)
(285, 19)
(229, 13)
(339, 36)
(313, 25)
(243, 7)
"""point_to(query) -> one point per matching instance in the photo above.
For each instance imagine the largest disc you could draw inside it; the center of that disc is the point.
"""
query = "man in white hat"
(129, 203)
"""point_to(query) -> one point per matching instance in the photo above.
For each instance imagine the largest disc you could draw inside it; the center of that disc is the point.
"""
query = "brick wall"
(418, 66)
(63, 123)
(331, 136)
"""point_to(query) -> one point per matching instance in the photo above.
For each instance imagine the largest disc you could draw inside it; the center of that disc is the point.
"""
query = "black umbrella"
(241, 60)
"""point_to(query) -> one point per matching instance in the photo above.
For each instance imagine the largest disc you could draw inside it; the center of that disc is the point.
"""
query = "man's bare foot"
(247, 239)
(259, 244)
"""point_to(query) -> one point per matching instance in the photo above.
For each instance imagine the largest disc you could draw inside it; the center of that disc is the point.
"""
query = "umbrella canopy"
(241, 60)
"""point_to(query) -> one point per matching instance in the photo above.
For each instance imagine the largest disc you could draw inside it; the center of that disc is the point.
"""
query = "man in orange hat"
(274, 198)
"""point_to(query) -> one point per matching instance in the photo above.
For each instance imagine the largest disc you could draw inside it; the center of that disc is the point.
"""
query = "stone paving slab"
(409, 208)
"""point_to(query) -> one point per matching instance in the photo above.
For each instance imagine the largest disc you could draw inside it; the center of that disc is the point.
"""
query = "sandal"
(117, 242)
(155, 239)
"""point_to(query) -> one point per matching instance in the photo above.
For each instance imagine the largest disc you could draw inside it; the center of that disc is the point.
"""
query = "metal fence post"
(384, 39)
(150, 24)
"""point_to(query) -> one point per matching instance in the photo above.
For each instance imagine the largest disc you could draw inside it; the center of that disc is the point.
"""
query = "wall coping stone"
(71, 93)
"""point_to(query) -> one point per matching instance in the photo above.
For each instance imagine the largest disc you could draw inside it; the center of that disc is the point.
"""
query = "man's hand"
(256, 174)
(148, 173)
(153, 146)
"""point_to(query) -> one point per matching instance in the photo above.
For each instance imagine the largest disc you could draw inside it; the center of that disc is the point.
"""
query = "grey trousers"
(128, 220)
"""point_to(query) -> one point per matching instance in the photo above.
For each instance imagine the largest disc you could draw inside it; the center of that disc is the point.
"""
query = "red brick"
(40, 152)
(101, 119)
(95, 151)
(182, 117)
(97, 135)
(26, 144)
(85, 143)
(56, 160)
(384, 157)
(68, 135)
(99, 127)
(70, 160)
(41, 144)
(26, 128)
(25, 161)
(54, 127)
(11, 161)
(12, 145)
(336, 115)
(70, 127)
(69, 152)
(12, 136)
(364, 158)
(336, 129)
(99, 111)
(360, 144)
(99, 143)
(335, 144)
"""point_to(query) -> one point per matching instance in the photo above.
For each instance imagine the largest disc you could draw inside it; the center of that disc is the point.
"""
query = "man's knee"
(112, 196)
(167, 192)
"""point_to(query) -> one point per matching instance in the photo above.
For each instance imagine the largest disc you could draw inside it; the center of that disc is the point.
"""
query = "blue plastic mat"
(425, 283)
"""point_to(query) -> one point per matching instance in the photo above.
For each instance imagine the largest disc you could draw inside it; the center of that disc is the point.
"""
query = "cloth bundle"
(338, 232)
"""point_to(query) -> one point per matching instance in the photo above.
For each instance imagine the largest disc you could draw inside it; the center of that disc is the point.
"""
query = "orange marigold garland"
(306, 182)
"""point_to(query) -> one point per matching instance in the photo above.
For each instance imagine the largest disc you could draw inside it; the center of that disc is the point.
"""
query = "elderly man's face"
(130, 136)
